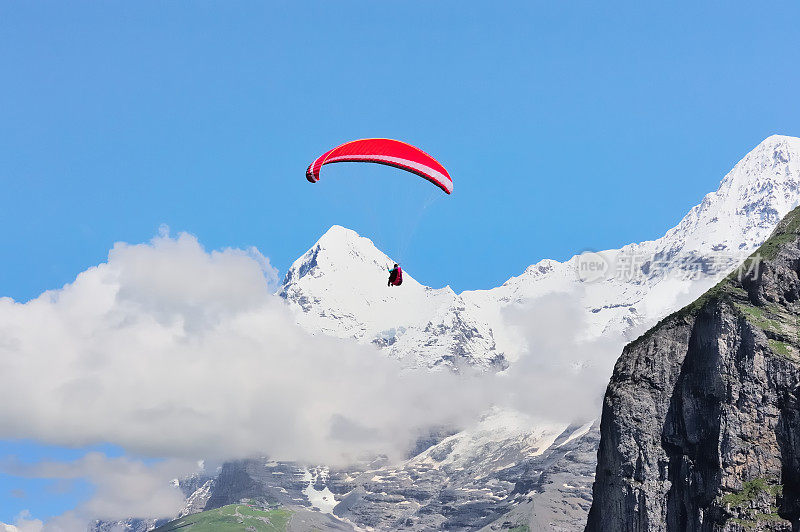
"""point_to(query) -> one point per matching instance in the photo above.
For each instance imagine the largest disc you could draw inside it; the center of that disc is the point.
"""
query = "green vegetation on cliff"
(786, 231)
(742, 502)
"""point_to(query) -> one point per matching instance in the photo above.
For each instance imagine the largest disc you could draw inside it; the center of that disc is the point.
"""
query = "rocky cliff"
(700, 427)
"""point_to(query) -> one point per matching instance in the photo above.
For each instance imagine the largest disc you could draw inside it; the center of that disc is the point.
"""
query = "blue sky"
(565, 126)
(42, 497)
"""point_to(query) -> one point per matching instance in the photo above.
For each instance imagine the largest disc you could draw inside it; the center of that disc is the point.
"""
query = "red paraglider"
(385, 151)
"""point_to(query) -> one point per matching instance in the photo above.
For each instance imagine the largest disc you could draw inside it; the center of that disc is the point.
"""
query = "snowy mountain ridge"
(337, 287)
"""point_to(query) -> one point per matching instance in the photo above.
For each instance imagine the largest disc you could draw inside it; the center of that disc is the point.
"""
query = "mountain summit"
(338, 286)
(752, 198)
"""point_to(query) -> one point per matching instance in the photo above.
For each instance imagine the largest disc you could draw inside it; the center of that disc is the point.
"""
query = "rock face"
(494, 475)
(701, 420)
(478, 477)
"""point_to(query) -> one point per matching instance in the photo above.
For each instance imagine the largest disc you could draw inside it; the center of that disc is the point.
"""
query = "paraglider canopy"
(385, 151)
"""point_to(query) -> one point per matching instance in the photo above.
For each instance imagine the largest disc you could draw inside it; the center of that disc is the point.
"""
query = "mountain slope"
(461, 481)
(700, 420)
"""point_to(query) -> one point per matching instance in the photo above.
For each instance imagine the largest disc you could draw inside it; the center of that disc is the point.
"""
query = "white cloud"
(122, 487)
(563, 371)
(24, 522)
(168, 350)
(70, 521)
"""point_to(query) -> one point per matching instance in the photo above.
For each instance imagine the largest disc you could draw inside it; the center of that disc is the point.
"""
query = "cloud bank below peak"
(170, 350)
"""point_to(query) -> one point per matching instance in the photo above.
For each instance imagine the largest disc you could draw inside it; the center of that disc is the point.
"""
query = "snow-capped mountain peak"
(646, 280)
(751, 199)
(342, 251)
(339, 286)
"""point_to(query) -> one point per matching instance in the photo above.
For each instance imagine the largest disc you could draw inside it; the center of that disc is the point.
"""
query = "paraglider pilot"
(395, 276)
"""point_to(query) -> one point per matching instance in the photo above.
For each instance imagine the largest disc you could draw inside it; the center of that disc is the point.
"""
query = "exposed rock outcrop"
(701, 420)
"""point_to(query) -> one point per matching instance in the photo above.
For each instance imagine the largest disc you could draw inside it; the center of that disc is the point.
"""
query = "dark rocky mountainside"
(463, 481)
(701, 419)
